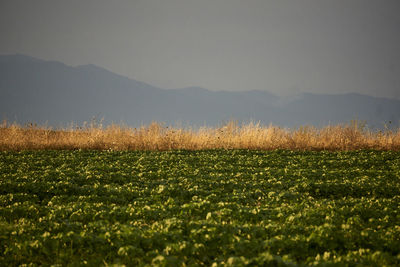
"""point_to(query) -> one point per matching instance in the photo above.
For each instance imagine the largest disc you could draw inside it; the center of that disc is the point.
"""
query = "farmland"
(203, 207)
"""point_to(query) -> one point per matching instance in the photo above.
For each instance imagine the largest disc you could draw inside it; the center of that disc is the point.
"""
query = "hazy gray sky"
(323, 46)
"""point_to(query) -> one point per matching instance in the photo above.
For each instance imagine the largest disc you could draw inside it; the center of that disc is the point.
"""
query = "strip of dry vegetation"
(230, 136)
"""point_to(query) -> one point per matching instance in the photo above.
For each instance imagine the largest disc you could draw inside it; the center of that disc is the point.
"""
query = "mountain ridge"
(34, 90)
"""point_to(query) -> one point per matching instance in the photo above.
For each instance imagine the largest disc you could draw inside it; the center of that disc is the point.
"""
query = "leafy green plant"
(210, 207)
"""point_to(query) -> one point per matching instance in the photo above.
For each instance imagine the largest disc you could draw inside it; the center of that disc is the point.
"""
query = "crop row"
(221, 207)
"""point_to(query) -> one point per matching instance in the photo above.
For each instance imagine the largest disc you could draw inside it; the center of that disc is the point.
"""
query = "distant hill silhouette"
(33, 90)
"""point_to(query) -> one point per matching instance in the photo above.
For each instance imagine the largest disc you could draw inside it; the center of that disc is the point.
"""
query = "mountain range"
(52, 93)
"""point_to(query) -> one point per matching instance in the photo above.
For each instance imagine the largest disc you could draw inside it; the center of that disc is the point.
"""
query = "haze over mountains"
(33, 90)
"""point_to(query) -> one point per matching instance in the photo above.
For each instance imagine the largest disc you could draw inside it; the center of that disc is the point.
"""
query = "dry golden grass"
(230, 136)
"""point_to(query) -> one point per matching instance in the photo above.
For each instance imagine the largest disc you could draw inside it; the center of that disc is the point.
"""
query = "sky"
(284, 47)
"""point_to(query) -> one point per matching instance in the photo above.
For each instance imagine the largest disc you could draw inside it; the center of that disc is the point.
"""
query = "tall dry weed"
(156, 136)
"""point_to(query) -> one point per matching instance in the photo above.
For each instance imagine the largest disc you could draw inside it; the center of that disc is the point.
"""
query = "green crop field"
(218, 207)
